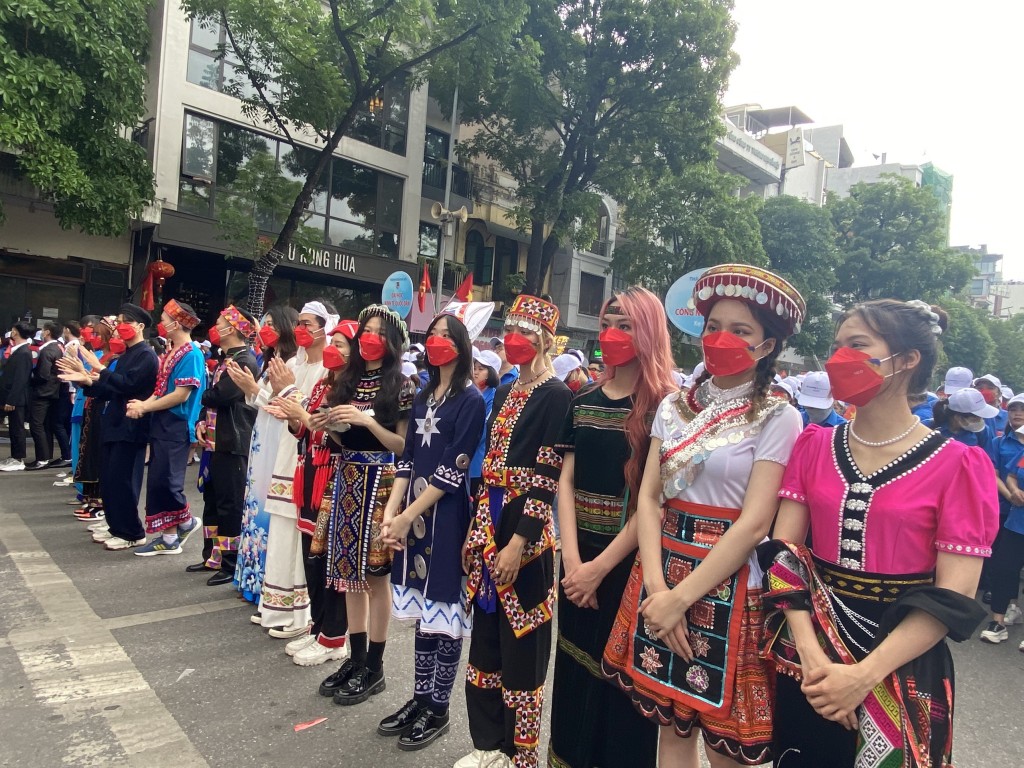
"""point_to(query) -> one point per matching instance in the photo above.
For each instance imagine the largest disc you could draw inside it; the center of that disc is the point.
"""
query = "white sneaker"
(480, 758)
(1013, 615)
(102, 534)
(289, 632)
(298, 644)
(315, 654)
(100, 526)
(12, 465)
(500, 760)
(995, 633)
(114, 543)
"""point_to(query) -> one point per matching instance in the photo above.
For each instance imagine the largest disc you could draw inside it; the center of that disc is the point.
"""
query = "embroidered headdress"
(238, 321)
(532, 314)
(347, 328)
(388, 315)
(180, 315)
(755, 286)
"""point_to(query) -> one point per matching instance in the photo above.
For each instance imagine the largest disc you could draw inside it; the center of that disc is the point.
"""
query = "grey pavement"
(108, 659)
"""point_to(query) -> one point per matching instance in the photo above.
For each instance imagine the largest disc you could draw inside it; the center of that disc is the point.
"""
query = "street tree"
(72, 78)
(685, 221)
(799, 241)
(967, 340)
(309, 70)
(598, 97)
(892, 237)
(1007, 360)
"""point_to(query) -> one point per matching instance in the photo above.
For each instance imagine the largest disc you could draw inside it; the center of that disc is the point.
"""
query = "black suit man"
(14, 392)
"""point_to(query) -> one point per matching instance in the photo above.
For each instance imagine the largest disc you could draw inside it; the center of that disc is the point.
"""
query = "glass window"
(390, 203)
(430, 240)
(197, 159)
(384, 121)
(346, 234)
(194, 197)
(295, 165)
(203, 69)
(591, 294)
(479, 259)
(212, 63)
(353, 192)
(235, 147)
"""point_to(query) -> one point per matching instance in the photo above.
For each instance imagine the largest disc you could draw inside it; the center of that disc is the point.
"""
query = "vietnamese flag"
(424, 287)
(465, 289)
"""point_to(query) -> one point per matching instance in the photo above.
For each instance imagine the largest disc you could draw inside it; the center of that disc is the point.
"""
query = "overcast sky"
(916, 80)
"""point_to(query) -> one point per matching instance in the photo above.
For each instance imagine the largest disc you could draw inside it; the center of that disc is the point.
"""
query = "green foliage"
(1007, 359)
(598, 97)
(684, 221)
(313, 67)
(258, 198)
(892, 236)
(72, 79)
(800, 242)
(967, 340)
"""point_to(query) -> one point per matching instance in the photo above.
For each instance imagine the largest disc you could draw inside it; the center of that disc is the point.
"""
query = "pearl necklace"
(890, 441)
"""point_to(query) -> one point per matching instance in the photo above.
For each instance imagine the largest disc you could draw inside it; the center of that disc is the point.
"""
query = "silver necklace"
(890, 441)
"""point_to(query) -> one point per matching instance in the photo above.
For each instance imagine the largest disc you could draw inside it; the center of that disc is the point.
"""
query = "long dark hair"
(285, 319)
(385, 404)
(765, 372)
(463, 373)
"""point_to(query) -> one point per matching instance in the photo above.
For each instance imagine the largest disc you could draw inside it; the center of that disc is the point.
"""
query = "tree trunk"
(534, 258)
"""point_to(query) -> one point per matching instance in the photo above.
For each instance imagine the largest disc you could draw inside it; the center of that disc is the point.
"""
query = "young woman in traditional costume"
(370, 405)
(685, 641)
(604, 443)
(432, 484)
(509, 554)
(901, 518)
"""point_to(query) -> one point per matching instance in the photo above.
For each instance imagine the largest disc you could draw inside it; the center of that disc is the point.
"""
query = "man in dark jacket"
(46, 389)
(14, 390)
(225, 428)
(132, 376)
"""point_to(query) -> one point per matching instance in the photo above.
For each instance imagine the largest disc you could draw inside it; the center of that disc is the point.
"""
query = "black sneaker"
(363, 684)
(35, 465)
(402, 720)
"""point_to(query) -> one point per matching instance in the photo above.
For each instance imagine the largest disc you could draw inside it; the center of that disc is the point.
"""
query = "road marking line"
(79, 667)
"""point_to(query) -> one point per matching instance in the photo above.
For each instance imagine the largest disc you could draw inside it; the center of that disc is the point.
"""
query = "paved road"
(107, 659)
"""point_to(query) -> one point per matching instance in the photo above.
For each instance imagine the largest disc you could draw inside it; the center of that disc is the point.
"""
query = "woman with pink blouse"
(900, 519)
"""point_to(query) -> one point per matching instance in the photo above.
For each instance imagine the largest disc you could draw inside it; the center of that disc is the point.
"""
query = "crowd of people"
(770, 561)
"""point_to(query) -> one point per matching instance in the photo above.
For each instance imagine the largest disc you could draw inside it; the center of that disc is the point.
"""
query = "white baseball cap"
(971, 401)
(488, 358)
(1006, 392)
(1016, 400)
(408, 369)
(566, 364)
(785, 386)
(991, 379)
(816, 391)
(957, 379)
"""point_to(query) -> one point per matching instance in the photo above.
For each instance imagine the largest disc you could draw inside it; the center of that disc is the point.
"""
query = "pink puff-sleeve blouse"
(938, 496)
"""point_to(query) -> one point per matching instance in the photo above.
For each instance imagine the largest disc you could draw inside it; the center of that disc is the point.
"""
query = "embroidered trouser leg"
(505, 686)
(166, 505)
(227, 476)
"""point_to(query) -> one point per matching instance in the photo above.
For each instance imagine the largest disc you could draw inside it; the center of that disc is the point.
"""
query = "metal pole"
(446, 218)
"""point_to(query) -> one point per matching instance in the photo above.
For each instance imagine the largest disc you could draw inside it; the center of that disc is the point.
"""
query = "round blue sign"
(679, 304)
(397, 293)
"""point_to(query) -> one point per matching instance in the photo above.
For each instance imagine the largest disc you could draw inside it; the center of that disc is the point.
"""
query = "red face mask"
(518, 349)
(161, 330)
(333, 359)
(96, 342)
(126, 331)
(726, 354)
(440, 351)
(303, 337)
(213, 335)
(117, 346)
(268, 336)
(371, 347)
(990, 397)
(616, 347)
(87, 334)
(853, 376)
(575, 385)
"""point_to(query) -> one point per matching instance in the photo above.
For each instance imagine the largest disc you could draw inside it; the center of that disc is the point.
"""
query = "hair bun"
(942, 315)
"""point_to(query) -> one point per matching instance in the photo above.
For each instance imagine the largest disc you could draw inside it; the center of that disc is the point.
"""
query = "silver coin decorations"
(754, 285)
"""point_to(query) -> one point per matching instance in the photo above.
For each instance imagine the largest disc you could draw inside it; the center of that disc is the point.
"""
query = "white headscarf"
(330, 321)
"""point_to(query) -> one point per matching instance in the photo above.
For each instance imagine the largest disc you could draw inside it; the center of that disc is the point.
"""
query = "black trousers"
(120, 485)
(61, 417)
(505, 686)
(1004, 575)
(223, 499)
(327, 606)
(16, 431)
(40, 421)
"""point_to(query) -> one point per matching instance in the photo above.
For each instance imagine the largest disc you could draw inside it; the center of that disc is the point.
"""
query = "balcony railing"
(434, 171)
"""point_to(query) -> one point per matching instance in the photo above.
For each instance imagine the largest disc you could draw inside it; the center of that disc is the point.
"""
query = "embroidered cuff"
(448, 479)
(403, 469)
(785, 493)
(548, 456)
(535, 516)
(963, 549)
(188, 381)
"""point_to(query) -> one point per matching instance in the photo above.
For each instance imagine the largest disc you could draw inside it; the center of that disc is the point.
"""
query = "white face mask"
(973, 423)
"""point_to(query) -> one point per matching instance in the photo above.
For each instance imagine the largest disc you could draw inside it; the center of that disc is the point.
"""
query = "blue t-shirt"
(986, 439)
(924, 410)
(190, 371)
(509, 376)
(78, 408)
(476, 466)
(998, 422)
(832, 420)
(1015, 519)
